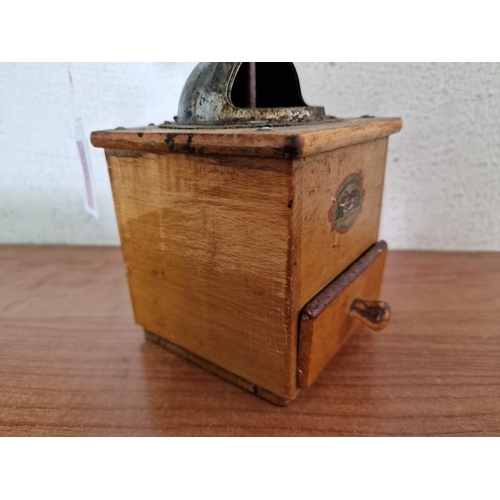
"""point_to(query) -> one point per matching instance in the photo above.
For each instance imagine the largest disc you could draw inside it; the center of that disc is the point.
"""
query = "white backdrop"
(443, 176)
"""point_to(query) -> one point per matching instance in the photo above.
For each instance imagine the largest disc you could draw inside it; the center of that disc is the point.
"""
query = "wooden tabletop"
(73, 363)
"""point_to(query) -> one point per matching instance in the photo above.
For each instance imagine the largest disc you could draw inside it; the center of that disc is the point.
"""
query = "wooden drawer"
(335, 313)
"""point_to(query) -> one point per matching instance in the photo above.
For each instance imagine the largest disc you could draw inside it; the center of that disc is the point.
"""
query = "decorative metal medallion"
(347, 204)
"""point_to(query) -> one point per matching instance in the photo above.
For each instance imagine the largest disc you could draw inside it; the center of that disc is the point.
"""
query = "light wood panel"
(73, 364)
(326, 322)
(325, 253)
(277, 142)
(205, 243)
(211, 367)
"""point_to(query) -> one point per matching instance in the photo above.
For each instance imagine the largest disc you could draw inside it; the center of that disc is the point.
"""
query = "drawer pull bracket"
(373, 313)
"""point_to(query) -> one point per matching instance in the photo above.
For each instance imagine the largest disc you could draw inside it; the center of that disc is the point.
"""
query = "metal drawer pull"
(373, 313)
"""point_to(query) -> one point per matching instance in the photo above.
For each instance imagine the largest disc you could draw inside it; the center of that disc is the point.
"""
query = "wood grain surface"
(326, 323)
(321, 253)
(206, 246)
(73, 363)
(277, 142)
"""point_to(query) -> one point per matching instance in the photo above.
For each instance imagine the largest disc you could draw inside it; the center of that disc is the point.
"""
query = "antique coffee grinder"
(249, 226)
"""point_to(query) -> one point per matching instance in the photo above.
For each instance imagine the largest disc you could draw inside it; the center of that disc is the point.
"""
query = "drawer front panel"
(334, 314)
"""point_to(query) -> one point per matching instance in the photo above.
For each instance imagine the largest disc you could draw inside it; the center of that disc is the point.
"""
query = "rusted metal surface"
(373, 313)
(252, 85)
(324, 298)
(206, 102)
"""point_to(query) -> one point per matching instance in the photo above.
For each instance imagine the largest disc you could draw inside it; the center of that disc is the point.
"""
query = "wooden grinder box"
(249, 232)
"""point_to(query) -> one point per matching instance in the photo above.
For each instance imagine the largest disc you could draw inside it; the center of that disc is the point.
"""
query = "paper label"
(346, 204)
(89, 199)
